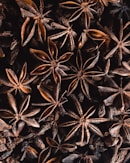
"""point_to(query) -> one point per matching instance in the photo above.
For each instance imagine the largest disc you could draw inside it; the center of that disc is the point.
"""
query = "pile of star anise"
(64, 81)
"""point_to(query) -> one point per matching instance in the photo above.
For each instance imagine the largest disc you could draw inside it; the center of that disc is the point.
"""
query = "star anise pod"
(83, 122)
(82, 74)
(52, 102)
(124, 70)
(60, 145)
(18, 116)
(51, 62)
(114, 90)
(121, 10)
(122, 43)
(40, 21)
(82, 8)
(66, 32)
(121, 127)
(15, 83)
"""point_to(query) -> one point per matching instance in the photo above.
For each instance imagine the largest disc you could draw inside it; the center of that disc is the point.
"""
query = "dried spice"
(21, 84)
(84, 122)
(52, 64)
(67, 32)
(121, 44)
(83, 73)
(85, 8)
(64, 81)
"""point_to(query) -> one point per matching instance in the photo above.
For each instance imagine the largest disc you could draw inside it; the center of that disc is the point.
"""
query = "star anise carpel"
(124, 70)
(95, 35)
(45, 156)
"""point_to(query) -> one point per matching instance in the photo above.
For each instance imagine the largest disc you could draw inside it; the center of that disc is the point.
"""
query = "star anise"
(121, 124)
(40, 21)
(122, 43)
(53, 102)
(81, 7)
(121, 10)
(51, 63)
(67, 32)
(83, 122)
(114, 90)
(20, 115)
(15, 83)
(60, 145)
(83, 73)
